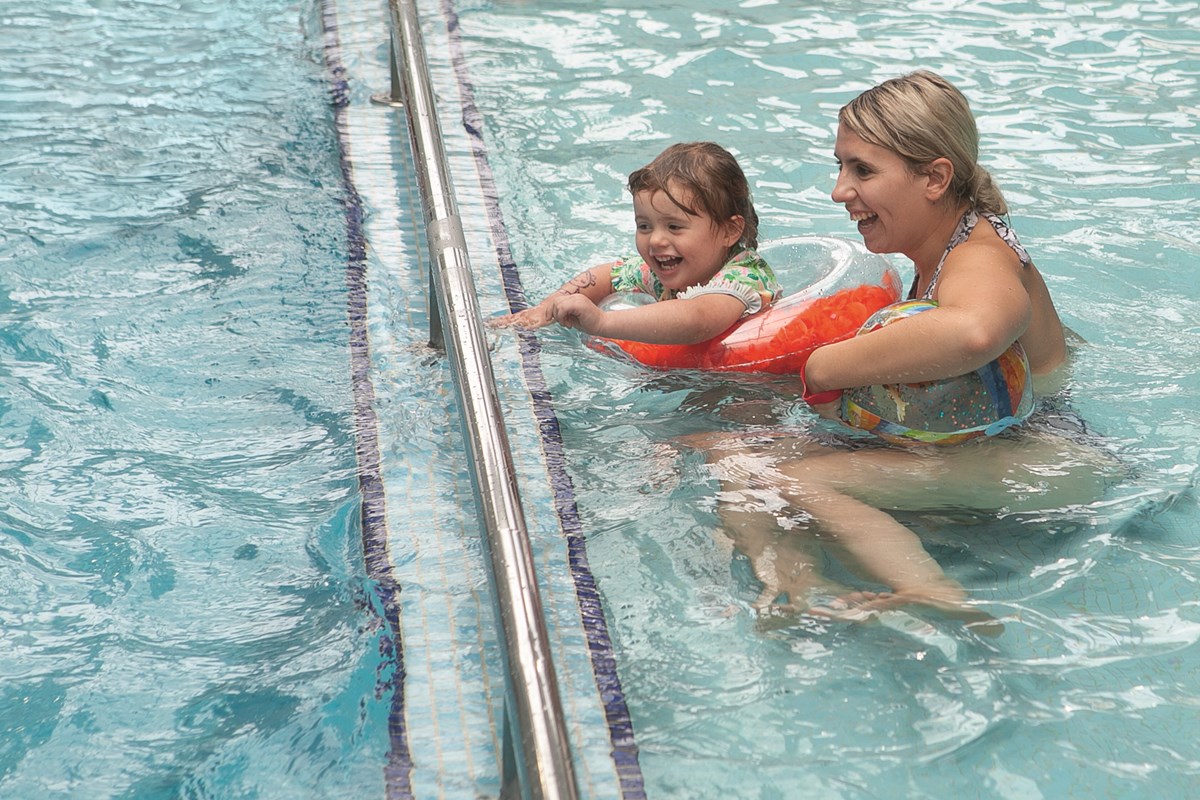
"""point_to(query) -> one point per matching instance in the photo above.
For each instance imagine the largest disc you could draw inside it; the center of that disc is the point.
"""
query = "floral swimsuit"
(745, 276)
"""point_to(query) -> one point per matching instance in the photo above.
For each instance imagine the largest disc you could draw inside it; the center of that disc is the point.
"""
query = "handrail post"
(535, 729)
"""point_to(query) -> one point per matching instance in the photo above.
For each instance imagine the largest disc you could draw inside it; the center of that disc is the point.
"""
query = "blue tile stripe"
(604, 667)
(399, 766)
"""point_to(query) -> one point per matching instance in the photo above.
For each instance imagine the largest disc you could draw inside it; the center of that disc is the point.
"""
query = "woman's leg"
(786, 562)
(759, 524)
(868, 541)
(842, 494)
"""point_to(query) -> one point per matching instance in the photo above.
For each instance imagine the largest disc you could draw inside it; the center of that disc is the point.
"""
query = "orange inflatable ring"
(853, 285)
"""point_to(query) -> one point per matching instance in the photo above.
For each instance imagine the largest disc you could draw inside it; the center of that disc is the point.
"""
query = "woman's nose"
(841, 190)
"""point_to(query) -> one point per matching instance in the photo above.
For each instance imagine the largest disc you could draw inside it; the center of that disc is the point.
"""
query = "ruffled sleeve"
(749, 296)
(746, 277)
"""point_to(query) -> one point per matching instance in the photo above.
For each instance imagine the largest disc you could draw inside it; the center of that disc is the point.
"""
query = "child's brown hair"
(713, 178)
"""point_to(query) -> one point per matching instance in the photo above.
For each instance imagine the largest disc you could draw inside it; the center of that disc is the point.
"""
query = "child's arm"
(594, 284)
(688, 321)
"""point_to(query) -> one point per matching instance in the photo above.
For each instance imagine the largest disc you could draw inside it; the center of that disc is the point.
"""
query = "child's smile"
(682, 249)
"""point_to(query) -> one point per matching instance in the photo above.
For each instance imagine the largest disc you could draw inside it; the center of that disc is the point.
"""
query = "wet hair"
(922, 117)
(713, 179)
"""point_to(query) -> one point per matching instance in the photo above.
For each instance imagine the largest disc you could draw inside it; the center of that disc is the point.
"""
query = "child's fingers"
(529, 318)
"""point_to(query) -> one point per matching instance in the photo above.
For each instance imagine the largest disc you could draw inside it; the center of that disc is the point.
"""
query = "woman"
(908, 175)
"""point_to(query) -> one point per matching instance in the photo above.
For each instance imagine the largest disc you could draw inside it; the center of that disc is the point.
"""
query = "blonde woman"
(909, 178)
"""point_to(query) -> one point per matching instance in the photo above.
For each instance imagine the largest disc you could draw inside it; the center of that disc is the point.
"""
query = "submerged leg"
(869, 541)
(785, 562)
(755, 518)
(812, 480)
(843, 494)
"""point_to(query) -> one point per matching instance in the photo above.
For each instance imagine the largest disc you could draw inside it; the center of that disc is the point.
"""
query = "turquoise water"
(183, 607)
(1088, 116)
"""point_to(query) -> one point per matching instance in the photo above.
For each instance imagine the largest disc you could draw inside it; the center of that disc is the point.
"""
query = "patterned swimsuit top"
(965, 225)
(745, 276)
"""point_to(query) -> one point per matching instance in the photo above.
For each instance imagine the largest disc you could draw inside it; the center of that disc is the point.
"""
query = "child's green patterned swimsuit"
(745, 276)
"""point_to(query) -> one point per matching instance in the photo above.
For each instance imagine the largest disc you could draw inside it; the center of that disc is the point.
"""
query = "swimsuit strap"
(965, 226)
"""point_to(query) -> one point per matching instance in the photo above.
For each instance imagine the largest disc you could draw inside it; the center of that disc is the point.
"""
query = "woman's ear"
(938, 174)
(731, 231)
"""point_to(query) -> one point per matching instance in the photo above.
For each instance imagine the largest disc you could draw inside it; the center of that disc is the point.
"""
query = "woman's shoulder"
(984, 257)
(980, 264)
(998, 232)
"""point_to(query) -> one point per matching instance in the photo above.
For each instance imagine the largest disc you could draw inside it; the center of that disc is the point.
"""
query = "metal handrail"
(537, 761)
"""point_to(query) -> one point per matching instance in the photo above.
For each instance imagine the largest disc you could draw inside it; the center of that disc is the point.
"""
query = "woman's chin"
(873, 243)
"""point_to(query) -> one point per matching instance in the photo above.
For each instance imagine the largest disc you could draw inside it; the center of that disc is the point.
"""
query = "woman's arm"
(983, 308)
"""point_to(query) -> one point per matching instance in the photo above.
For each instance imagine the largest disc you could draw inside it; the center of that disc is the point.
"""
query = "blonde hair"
(922, 117)
(713, 178)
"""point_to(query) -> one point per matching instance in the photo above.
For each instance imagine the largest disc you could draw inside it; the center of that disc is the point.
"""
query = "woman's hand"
(831, 410)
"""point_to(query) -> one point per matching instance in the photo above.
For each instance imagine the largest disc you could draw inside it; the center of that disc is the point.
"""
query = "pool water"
(190, 601)
(183, 605)
(1088, 117)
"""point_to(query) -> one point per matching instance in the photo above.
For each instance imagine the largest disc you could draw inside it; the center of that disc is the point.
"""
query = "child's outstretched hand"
(568, 310)
(533, 317)
(575, 311)
(595, 282)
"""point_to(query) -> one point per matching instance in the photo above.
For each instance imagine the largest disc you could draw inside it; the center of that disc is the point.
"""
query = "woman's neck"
(927, 253)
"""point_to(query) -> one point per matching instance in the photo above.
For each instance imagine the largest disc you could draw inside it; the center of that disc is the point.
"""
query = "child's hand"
(535, 317)
(576, 311)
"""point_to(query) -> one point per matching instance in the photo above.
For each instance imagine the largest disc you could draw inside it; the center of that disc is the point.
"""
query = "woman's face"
(884, 197)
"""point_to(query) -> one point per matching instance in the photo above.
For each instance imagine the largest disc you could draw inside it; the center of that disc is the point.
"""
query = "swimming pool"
(191, 604)
(183, 607)
(1088, 120)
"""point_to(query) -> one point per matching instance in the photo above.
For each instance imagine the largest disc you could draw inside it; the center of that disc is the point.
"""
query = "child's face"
(682, 250)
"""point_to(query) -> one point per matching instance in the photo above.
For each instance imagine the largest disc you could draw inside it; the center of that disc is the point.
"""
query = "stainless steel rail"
(537, 761)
